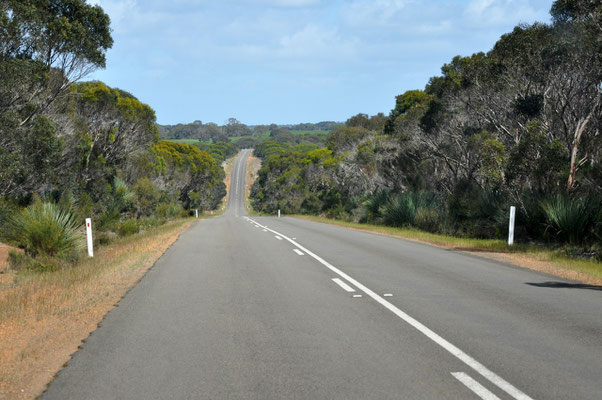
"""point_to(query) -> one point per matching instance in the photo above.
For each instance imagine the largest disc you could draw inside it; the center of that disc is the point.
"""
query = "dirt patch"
(45, 317)
(227, 166)
(547, 267)
(4, 249)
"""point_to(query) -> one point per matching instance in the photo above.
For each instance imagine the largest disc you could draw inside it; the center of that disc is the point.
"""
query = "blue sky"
(290, 61)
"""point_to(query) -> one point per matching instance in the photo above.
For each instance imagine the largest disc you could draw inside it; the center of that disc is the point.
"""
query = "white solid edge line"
(298, 252)
(455, 351)
(475, 386)
(342, 284)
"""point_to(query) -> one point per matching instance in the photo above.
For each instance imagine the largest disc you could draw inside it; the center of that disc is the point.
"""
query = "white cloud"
(485, 13)
(315, 43)
(373, 12)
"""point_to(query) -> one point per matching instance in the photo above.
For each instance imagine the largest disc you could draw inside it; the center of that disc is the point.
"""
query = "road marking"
(298, 252)
(475, 386)
(265, 230)
(342, 284)
(455, 351)
(278, 237)
(387, 295)
(357, 295)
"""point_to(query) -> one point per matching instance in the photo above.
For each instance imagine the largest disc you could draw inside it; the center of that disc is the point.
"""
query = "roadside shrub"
(45, 229)
(569, 218)
(401, 209)
(338, 212)
(21, 261)
(146, 197)
(428, 219)
(6, 210)
(152, 222)
(103, 238)
(108, 220)
(128, 227)
(374, 203)
(169, 210)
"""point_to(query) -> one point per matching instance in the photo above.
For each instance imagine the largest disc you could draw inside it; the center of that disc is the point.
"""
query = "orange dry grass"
(45, 317)
(253, 166)
(227, 165)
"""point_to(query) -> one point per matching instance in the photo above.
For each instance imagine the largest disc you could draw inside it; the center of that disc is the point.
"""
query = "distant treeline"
(519, 125)
(248, 136)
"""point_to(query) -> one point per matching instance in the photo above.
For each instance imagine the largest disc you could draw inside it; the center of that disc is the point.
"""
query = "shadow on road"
(565, 285)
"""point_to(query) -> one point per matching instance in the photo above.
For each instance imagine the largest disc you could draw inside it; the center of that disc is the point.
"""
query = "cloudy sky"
(289, 61)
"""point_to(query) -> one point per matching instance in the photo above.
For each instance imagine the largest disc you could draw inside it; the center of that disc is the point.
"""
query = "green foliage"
(19, 261)
(402, 209)
(128, 227)
(220, 151)
(169, 210)
(569, 218)
(343, 138)
(194, 176)
(373, 204)
(146, 197)
(45, 229)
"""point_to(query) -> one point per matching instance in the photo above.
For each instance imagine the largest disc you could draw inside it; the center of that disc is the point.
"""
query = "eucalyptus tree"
(45, 45)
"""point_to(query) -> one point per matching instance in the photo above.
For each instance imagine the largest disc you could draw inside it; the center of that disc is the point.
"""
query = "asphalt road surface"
(245, 307)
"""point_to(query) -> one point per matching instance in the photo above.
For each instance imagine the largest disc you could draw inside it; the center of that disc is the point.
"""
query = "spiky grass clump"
(569, 217)
(374, 203)
(402, 210)
(47, 230)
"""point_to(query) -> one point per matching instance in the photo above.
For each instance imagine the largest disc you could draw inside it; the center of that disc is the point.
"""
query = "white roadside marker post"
(511, 226)
(278, 213)
(196, 213)
(89, 237)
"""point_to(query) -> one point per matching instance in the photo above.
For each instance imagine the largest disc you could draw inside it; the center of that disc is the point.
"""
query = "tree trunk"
(578, 133)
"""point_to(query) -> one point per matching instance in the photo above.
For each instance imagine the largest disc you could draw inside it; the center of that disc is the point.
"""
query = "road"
(244, 307)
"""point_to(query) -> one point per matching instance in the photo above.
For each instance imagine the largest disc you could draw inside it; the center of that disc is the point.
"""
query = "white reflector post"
(278, 213)
(89, 236)
(196, 213)
(511, 226)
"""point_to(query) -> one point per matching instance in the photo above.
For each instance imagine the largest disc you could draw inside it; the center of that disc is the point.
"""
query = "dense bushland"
(519, 125)
(71, 149)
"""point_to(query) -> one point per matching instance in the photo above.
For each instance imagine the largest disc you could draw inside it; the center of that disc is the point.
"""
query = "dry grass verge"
(525, 256)
(227, 165)
(45, 316)
(253, 166)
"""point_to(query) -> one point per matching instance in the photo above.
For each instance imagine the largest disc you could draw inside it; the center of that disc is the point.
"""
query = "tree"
(108, 126)
(235, 128)
(52, 43)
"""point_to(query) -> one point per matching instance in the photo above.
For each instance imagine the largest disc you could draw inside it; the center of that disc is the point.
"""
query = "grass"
(253, 166)
(45, 316)
(526, 255)
(187, 141)
(227, 165)
(309, 132)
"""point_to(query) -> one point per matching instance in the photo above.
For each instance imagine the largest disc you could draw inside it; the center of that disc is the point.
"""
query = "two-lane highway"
(245, 307)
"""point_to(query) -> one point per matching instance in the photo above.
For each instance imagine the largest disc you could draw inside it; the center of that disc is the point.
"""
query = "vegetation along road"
(273, 308)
